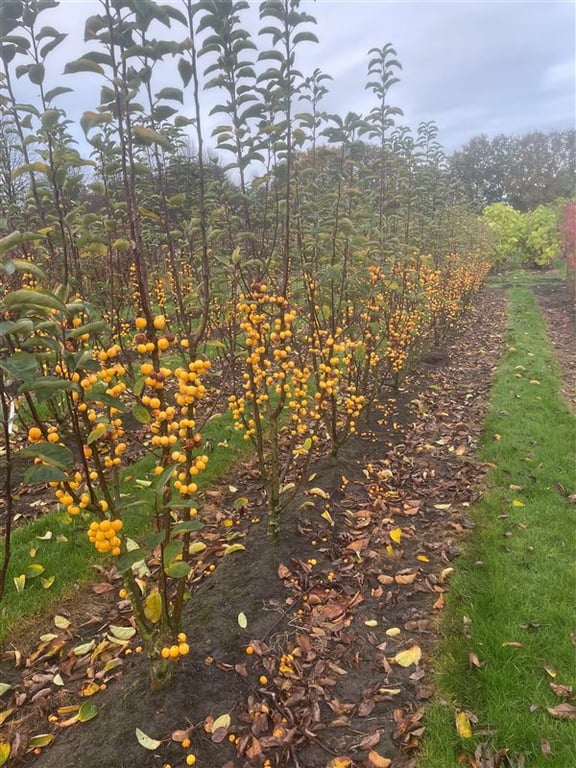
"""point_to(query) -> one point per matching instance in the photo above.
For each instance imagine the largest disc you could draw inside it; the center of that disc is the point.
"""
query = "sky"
(491, 66)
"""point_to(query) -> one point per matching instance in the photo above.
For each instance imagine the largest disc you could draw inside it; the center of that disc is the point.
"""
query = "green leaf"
(187, 525)
(57, 92)
(34, 570)
(141, 413)
(185, 71)
(48, 384)
(122, 633)
(146, 742)
(125, 562)
(22, 366)
(174, 94)
(4, 688)
(97, 433)
(92, 328)
(16, 238)
(147, 136)
(178, 570)
(41, 740)
(40, 473)
(82, 65)
(22, 265)
(32, 299)
(55, 455)
(87, 711)
(36, 73)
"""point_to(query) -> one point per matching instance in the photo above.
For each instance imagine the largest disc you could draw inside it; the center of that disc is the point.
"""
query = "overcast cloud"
(473, 67)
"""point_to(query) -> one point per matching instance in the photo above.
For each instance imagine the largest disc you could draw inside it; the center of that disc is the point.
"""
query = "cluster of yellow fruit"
(273, 370)
(104, 535)
(334, 362)
(404, 326)
(173, 425)
(177, 650)
(35, 435)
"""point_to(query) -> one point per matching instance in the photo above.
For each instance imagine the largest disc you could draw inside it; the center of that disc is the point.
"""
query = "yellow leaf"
(153, 607)
(61, 622)
(410, 656)
(550, 670)
(393, 631)
(377, 761)
(89, 689)
(20, 582)
(327, 516)
(319, 492)
(371, 623)
(518, 503)
(221, 722)
(396, 535)
(463, 725)
(339, 762)
(4, 715)
(423, 558)
(233, 548)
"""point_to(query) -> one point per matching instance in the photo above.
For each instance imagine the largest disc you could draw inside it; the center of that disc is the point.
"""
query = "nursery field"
(285, 455)
(318, 651)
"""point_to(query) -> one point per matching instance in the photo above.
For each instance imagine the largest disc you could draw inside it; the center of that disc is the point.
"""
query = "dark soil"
(320, 605)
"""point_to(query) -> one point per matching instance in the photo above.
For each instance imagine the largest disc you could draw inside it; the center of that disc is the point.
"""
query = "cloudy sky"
(491, 66)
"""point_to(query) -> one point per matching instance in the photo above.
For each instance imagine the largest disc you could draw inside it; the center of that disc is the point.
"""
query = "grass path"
(509, 629)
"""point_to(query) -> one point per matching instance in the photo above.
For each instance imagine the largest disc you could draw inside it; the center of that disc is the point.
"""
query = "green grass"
(516, 581)
(69, 557)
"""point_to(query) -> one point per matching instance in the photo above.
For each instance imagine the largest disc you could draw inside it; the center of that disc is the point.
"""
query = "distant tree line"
(524, 171)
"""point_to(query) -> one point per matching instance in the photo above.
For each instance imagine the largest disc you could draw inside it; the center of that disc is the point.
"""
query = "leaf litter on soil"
(339, 619)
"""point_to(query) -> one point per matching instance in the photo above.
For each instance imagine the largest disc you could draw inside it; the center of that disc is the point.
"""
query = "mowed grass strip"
(512, 598)
(53, 551)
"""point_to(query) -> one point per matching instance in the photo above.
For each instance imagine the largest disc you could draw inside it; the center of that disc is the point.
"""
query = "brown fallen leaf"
(439, 604)
(370, 741)
(474, 661)
(405, 578)
(545, 747)
(563, 691)
(563, 711)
